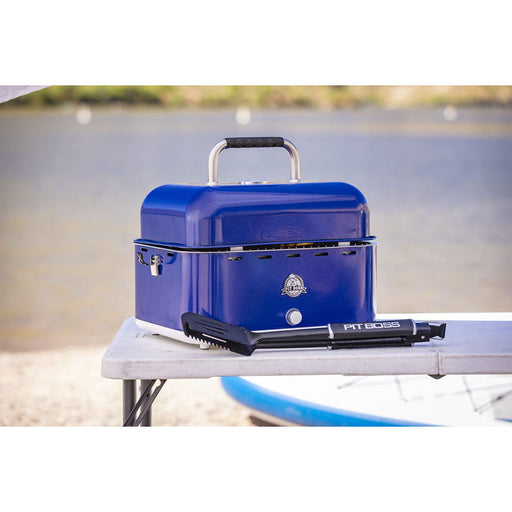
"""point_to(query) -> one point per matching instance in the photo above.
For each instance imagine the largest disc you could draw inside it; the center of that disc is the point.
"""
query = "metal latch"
(156, 265)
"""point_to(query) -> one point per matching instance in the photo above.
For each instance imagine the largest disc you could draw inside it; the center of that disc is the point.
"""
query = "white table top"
(482, 346)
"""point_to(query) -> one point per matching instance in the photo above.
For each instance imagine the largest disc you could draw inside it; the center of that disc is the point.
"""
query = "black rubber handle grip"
(374, 329)
(254, 142)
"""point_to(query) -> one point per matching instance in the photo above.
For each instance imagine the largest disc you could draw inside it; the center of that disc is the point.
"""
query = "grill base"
(256, 289)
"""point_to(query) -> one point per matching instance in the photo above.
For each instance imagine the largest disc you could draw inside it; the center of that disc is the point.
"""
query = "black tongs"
(381, 333)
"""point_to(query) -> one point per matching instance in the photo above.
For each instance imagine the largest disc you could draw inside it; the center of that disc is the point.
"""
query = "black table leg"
(144, 403)
(128, 398)
(146, 420)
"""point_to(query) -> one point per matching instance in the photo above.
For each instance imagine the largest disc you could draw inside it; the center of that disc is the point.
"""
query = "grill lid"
(253, 213)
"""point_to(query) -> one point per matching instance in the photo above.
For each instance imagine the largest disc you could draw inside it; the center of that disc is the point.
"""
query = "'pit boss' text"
(371, 325)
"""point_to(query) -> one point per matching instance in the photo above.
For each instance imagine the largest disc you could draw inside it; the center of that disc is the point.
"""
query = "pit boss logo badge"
(293, 286)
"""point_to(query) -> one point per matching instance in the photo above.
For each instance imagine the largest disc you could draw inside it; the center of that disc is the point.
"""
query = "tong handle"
(253, 142)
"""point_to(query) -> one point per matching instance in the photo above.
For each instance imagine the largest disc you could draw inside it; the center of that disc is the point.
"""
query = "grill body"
(261, 256)
(246, 288)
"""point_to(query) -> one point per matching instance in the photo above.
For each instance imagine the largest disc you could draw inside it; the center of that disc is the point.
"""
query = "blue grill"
(258, 255)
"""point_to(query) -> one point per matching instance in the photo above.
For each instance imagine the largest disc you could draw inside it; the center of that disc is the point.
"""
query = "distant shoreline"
(72, 108)
(263, 97)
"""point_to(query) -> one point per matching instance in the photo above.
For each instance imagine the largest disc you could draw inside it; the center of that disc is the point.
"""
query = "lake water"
(439, 194)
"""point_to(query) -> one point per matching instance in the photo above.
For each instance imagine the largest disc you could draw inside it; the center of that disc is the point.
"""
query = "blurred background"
(434, 163)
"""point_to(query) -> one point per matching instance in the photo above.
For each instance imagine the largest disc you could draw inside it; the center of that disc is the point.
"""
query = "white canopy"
(9, 92)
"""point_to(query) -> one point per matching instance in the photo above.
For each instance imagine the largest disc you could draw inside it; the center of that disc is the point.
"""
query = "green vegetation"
(232, 96)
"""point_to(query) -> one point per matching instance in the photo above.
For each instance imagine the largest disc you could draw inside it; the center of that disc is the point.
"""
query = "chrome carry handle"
(253, 142)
